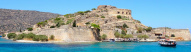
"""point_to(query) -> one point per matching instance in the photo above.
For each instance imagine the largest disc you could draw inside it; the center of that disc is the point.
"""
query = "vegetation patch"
(11, 35)
(69, 15)
(70, 21)
(102, 16)
(52, 37)
(118, 17)
(95, 26)
(29, 29)
(143, 36)
(104, 36)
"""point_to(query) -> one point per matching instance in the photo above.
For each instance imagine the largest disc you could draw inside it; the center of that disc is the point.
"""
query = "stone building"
(114, 11)
(180, 34)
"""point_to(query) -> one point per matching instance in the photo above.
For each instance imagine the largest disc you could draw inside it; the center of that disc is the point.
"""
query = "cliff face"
(14, 20)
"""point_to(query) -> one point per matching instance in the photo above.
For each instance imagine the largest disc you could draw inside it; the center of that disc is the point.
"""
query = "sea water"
(11, 46)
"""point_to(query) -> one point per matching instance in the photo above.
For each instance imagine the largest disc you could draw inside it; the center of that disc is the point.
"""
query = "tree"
(43, 37)
(123, 32)
(122, 35)
(172, 35)
(3, 35)
(140, 36)
(145, 36)
(93, 9)
(20, 36)
(103, 36)
(118, 17)
(117, 34)
(35, 38)
(11, 35)
(125, 26)
(29, 29)
(52, 37)
(20, 30)
(30, 35)
(74, 24)
(128, 36)
(102, 16)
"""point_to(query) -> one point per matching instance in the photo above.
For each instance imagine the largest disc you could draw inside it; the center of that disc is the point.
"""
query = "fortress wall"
(122, 12)
(184, 33)
(69, 34)
(109, 33)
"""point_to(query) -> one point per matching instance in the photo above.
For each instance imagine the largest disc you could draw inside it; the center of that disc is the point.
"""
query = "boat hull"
(168, 45)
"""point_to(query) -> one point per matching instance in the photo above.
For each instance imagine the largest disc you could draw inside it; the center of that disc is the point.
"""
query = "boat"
(168, 43)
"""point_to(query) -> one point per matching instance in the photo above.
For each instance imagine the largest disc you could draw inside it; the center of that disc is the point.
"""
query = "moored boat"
(168, 43)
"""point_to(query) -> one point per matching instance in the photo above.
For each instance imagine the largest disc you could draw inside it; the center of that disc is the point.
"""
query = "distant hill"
(14, 20)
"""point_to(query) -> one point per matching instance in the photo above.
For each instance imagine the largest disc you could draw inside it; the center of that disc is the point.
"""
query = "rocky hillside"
(90, 25)
(14, 20)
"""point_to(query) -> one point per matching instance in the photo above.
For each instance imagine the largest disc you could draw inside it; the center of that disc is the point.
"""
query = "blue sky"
(155, 13)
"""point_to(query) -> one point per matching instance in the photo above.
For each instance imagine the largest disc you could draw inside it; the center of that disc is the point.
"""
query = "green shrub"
(138, 21)
(117, 34)
(3, 35)
(95, 25)
(11, 35)
(139, 30)
(93, 9)
(122, 35)
(29, 29)
(123, 32)
(125, 26)
(87, 23)
(128, 36)
(166, 36)
(41, 23)
(29, 35)
(43, 37)
(104, 36)
(148, 29)
(40, 38)
(35, 38)
(124, 19)
(172, 35)
(52, 37)
(102, 16)
(143, 36)
(69, 15)
(20, 36)
(118, 17)
(52, 26)
(69, 21)
(80, 12)
(87, 11)
(139, 36)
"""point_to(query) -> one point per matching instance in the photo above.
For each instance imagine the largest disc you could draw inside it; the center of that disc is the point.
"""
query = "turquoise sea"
(10, 46)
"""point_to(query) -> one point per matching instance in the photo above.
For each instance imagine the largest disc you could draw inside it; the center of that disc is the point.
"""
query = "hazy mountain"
(14, 20)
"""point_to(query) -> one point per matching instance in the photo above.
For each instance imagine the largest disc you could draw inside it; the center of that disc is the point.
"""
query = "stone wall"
(68, 34)
(184, 33)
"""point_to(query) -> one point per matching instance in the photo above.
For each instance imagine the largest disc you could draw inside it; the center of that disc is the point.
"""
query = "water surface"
(10, 46)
